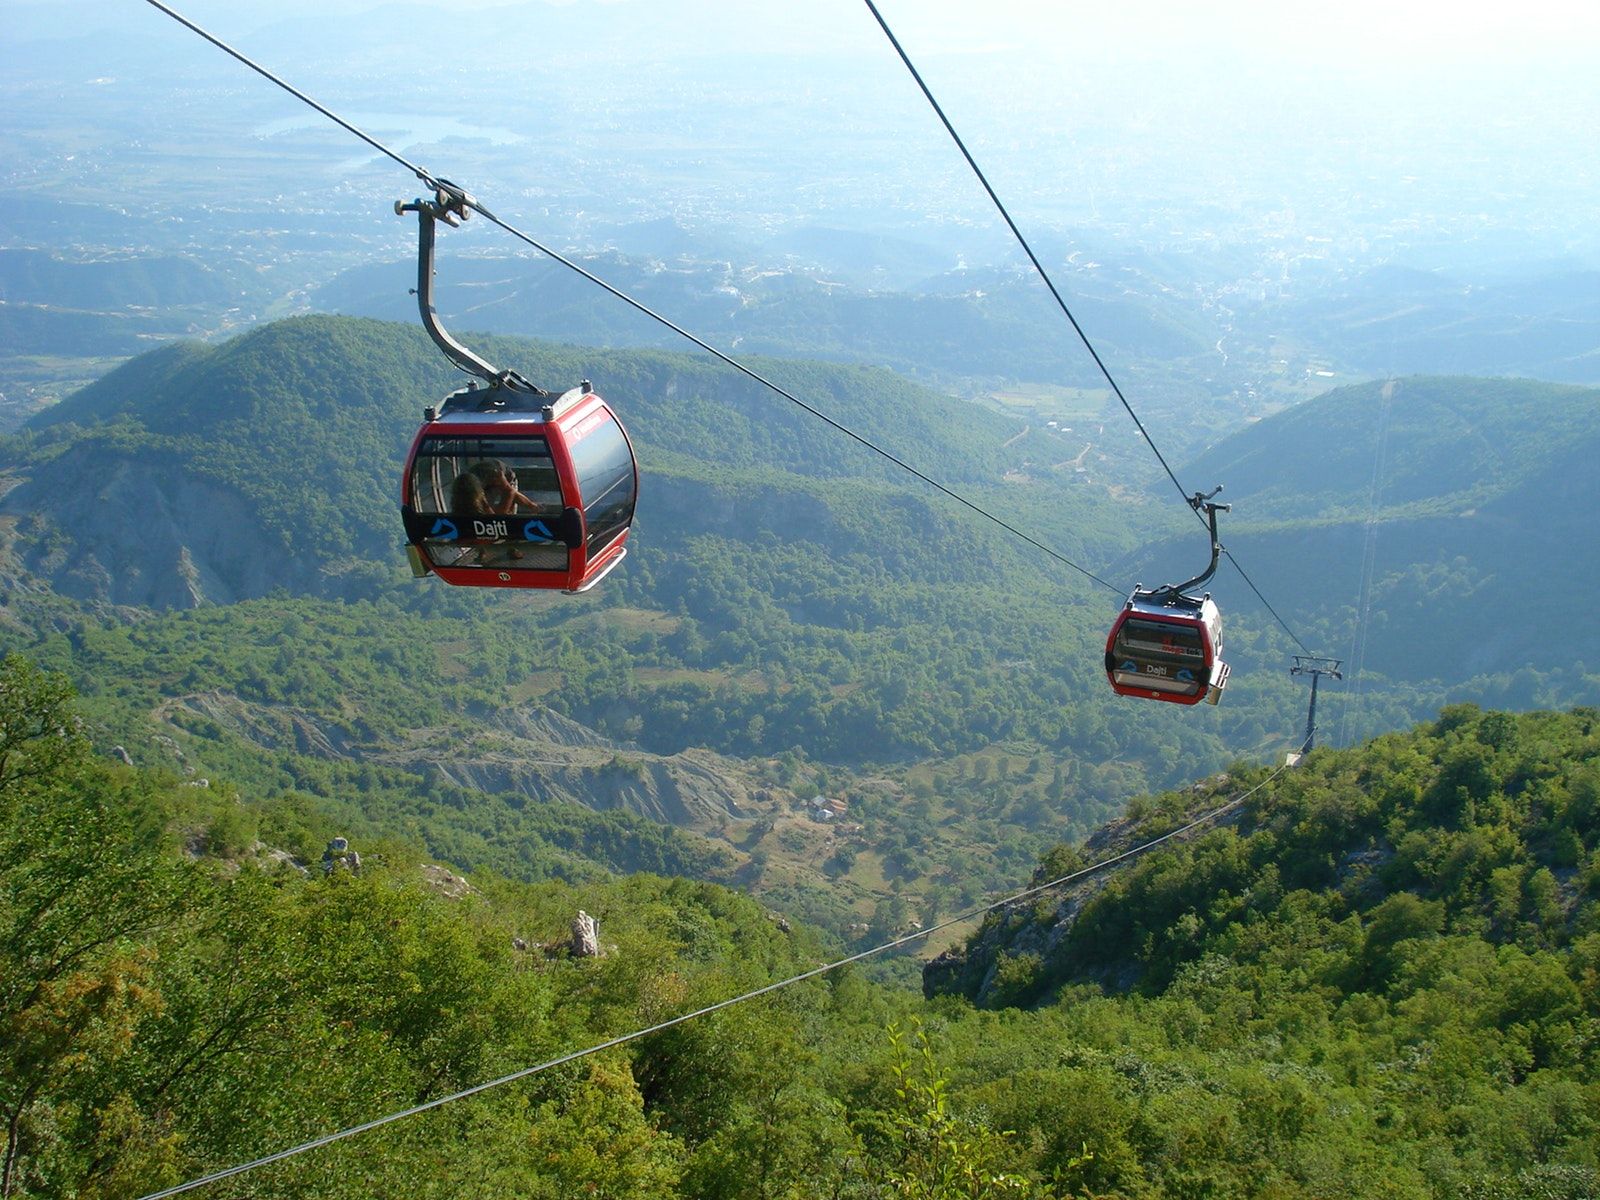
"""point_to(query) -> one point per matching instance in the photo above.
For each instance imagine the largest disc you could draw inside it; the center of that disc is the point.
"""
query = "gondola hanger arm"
(1201, 502)
(452, 205)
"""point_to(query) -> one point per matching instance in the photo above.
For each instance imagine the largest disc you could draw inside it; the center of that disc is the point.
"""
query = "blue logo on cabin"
(537, 531)
(444, 530)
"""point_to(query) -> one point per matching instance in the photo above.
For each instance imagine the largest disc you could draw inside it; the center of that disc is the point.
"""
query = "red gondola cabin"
(1167, 646)
(508, 485)
(507, 489)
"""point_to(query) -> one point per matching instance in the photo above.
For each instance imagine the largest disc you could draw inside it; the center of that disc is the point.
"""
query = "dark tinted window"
(604, 467)
(440, 483)
(1161, 640)
(463, 480)
(1160, 656)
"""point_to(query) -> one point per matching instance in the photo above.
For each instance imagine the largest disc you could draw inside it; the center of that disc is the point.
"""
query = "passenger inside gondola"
(495, 476)
(456, 478)
(500, 490)
(467, 494)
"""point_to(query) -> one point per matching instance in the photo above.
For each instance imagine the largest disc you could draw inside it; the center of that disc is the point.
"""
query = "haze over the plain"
(1423, 132)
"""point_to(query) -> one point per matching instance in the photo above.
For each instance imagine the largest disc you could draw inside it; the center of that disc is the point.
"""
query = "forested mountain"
(809, 854)
(1414, 447)
(1424, 528)
(1542, 322)
(206, 541)
(988, 324)
(106, 282)
(1478, 826)
(306, 422)
(65, 318)
(1382, 979)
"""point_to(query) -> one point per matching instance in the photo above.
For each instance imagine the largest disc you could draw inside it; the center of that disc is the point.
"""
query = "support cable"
(295, 92)
(1228, 554)
(612, 1043)
(1027, 249)
(1060, 301)
(815, 972)
(750, 372)
(1352, 708)
(433, 182)
(747, 371)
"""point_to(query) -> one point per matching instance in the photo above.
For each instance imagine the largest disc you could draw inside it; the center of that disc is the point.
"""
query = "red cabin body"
(1167, 647)
(511, 494)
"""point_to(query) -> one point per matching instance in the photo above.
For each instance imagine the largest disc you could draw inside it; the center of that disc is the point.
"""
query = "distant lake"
(407, 128)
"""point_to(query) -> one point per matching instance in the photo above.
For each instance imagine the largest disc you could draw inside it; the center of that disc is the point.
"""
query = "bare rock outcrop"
(443, 881)
(270, 726)
(694, 789)
(536, 723)
(585, 936)
(527, 751)
(148, 530)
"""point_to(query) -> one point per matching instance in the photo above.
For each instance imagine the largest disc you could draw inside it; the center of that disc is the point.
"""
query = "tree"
(934, 1154)
(597, 1141)
(80, 890)
(38, 730)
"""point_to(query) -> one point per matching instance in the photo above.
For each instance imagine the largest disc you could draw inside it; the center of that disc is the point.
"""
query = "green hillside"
(308, 420)
(1414, 446)
(982, 324)
(1478, 826)
(205, 541)
(65, 318)
(109, 282)
(1406, 931)
(1427, 531)
(795, 578)
(1544, 321)
(1381, 981)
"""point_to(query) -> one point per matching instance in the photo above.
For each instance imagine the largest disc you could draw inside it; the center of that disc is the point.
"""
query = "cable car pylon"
(1309, 664)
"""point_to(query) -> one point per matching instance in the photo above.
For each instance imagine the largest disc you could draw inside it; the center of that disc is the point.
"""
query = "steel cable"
(1038, 266)
(624, 1039)
(434, 182)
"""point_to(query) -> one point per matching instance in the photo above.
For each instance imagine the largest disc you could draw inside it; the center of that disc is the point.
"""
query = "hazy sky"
(1164, 100)
(1491, 50)
(1377, 31)
(1374, 32)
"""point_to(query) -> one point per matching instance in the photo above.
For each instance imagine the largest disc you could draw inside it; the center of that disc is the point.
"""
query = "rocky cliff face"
(527, 752)
(691, 790)
(270, 726)
(1040, 926)
(146, 531)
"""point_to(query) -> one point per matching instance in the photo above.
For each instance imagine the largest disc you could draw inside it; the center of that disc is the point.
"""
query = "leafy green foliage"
(787, 594)
(1422, 529)
(1332, 1020)
(928, 1153)
(1397, 939)
(786, 590)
